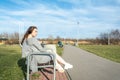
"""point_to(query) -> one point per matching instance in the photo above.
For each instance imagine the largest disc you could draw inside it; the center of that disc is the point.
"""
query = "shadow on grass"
(22, 64)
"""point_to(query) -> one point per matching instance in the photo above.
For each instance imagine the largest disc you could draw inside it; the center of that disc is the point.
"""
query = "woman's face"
(34, 33)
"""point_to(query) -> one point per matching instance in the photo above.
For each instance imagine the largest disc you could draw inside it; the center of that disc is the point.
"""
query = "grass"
(9, 56)
(11, 64)
(111, 52)
(59, 50)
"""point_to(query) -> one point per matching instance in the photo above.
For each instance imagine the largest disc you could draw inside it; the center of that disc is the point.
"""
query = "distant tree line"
(105, 38)
(112, 37)
(12, 38)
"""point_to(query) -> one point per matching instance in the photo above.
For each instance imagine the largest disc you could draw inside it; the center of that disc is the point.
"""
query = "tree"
(12, 38)
(103, 38)
(113, 37)
(50, 38)
(58, 38)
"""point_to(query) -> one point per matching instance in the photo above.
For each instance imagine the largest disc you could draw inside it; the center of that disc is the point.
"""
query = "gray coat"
(31, 46)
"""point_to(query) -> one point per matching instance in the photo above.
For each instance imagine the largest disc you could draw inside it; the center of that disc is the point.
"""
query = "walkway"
(88, 66)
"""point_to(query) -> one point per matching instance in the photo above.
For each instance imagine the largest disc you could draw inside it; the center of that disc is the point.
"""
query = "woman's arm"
(34, 42)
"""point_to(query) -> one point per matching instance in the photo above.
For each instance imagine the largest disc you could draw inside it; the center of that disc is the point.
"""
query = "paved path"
(88, 66)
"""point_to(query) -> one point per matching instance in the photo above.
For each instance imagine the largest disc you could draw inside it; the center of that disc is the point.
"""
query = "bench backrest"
(51, 46)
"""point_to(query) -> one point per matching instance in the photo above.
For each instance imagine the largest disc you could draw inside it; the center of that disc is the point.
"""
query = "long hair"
(29, 31)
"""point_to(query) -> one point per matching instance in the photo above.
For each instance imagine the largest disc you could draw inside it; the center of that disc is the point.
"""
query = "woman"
(32, 45)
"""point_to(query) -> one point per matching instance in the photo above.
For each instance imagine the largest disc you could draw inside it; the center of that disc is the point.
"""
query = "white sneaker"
(68, 66)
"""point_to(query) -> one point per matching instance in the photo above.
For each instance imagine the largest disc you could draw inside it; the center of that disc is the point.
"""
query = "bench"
(47, 73)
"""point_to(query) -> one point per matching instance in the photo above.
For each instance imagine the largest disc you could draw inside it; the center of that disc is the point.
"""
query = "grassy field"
(111, 52)
(10, 62)
(9, 56)
(59, 50)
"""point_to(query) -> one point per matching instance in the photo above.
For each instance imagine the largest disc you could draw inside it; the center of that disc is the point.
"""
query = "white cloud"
(91, 19)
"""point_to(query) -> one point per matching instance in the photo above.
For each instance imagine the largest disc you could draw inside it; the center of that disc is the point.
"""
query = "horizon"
(78, 19)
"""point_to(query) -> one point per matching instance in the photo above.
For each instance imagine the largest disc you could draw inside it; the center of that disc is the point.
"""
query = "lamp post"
(77, 33)
(21, 27)
(108, 38)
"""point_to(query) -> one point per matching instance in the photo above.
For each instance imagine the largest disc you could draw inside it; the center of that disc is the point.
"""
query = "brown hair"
(29, 31)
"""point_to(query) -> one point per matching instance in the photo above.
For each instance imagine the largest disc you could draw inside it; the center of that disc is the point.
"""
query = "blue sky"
(64, 18)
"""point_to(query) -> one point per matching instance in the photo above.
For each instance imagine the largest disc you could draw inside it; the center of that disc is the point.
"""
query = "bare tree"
(51, 39)
(12, 38)
(115, 36)
(103, 38)
(112, 37)
(4, 35)
(58, 38)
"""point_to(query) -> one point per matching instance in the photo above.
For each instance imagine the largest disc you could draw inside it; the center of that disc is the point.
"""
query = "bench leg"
(28, 68)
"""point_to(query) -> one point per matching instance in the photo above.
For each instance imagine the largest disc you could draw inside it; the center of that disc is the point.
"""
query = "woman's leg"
(61, 60)
(59, 67)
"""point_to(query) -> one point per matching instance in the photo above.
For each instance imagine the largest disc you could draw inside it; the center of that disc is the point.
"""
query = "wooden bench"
(47, 73)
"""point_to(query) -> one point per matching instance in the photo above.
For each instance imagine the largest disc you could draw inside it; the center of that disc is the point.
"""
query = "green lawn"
(10, 62)
(9, 56)
(111, 52)
(59, 50)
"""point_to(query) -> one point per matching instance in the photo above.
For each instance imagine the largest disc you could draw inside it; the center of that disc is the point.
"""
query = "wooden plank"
(47, 74)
